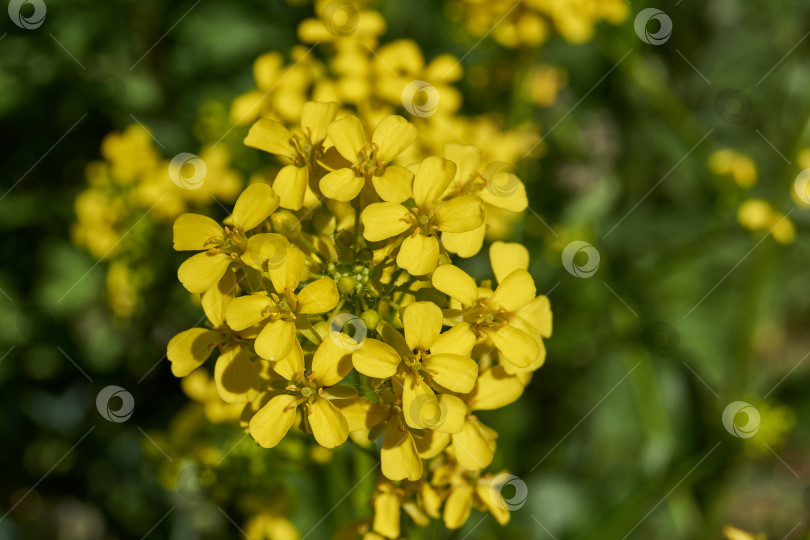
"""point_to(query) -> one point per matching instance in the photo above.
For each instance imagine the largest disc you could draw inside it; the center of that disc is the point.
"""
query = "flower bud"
(284, 222)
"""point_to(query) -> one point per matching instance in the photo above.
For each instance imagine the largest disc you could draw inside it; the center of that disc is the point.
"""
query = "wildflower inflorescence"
(335, 307)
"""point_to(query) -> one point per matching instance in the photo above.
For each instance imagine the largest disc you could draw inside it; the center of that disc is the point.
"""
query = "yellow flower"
(424, 358)
(277, 338)
(741, 168)
(369, 161)
(420, 247)
(193, 232)
(302, 150)
(759, 215)
(330, 364)
(511, 317)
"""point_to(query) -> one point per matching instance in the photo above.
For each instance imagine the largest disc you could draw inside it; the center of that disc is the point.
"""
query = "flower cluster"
(335, 307)
(531, 22)
(129, 193)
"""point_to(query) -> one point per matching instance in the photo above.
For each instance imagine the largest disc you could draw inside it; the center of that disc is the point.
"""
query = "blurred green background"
(619, 435)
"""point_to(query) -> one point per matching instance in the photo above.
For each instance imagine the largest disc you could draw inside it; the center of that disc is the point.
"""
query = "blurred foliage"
(621, 430)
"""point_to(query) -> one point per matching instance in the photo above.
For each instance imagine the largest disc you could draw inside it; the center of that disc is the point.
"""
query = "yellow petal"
(431, 500)
(348, 137)
(535, 317)
(400, 459)
(466, 158)
(276, 340)
(505, 191)
(319, 296)
(202, 271)
(418, 254)
(376, 359)
(495, 389)
(488, 489)
(254, 205)
(356, 412)
(190, 348)
(216, 299)
(459, 340)
(394, 185)
(516, 346)
(455, 282)
(291, 186)
(331, 362)
(423, 323)
(341, 185)
(386, 514)
(291, 270)
(393, 135)
(515, 291)
(431, 180)
(466, 244)
(458, 506)
(270, 136)
(454, 413)
(245, 311)
(507, 257)
(291, 364)
(192, 232)
(384, 220)
(419, 404)
(461, 214)
(271, 423)
(455, 372)
(237, 376)
(317, 117)
(431, 443)
(474, 451)
(328, 425)
(266, 251)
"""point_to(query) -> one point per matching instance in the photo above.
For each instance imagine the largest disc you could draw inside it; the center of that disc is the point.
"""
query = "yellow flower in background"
(266, 526)
(759, 215)
(129, 196)
(530, 23)
(740, 167)
(733, 533)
